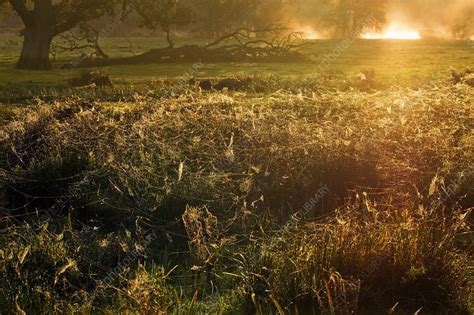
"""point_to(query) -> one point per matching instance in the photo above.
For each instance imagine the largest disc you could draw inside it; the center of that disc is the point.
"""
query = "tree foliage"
(352, 17)
(463, 27)
(45, 19)
(219, 17)
(163, 14)
(65, 14)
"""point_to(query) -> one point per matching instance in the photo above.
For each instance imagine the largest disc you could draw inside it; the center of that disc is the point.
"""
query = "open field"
(396, 61)
(177, 204)
(299, 194)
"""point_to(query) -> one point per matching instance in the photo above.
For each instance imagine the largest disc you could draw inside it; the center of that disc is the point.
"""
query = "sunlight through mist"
(394, 32)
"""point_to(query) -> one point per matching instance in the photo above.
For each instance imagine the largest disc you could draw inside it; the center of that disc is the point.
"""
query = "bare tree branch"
(22, 10)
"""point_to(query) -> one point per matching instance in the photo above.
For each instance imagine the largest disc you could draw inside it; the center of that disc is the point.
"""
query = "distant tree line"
(44, 20)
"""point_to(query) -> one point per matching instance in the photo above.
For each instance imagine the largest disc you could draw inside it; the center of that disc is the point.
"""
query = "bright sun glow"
(309, 33)
(394, 32)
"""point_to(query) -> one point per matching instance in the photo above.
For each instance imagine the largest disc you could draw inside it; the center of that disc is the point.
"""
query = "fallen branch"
(249, 46)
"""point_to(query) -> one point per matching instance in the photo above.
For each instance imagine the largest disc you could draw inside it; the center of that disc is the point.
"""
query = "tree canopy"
(163, 14)
(352, 17)
(45, 19)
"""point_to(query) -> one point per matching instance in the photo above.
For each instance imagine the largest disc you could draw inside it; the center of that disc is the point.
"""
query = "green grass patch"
(402, 61)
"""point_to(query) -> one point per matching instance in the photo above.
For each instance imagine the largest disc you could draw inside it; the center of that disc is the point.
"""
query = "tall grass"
(365, 257)
(85, 180)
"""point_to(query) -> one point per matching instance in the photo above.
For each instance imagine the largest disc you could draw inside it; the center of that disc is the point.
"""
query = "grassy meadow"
(397, 61)
(299, 194)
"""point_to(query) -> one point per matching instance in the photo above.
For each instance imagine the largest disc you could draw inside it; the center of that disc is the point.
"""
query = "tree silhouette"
(45, 19)
(352, 17)
(163, 14)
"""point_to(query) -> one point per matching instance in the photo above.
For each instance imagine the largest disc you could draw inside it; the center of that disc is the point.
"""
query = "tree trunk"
(35, 51)
(169, 39)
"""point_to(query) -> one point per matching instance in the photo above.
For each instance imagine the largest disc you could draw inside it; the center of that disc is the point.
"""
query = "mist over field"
(444, 19)
(432, 19)
(236, 157)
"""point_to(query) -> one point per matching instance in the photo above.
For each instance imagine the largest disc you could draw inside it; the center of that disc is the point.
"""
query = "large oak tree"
(45, 19)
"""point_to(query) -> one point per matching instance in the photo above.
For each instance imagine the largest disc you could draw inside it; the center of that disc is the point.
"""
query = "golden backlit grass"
(247, 161)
